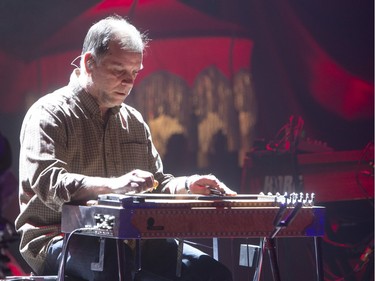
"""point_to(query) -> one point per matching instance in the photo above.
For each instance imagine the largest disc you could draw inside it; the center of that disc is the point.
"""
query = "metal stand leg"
(61, 272)
(180, 249)
(215, 248)
(270, 244)
(138, 255)
(120, 260)
(99, 266)
(318, 258)
(259, 260)
(267, 244)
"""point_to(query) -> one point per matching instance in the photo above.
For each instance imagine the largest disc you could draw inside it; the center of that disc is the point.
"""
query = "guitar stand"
(268, 243)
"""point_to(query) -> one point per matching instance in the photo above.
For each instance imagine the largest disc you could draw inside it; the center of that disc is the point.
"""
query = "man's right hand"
(136, 181)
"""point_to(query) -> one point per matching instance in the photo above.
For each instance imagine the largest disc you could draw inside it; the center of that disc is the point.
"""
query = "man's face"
(113, 76)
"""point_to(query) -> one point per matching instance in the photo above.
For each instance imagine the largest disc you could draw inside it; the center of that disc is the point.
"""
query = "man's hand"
(137, 181)
(208, 185)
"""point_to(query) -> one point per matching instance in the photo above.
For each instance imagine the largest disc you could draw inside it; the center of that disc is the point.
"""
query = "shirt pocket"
(135, 156)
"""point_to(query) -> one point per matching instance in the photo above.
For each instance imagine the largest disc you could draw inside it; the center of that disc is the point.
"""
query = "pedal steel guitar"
(150, 216)
(154, 216)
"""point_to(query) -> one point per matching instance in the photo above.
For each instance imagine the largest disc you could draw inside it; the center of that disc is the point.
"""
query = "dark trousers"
(158, 261)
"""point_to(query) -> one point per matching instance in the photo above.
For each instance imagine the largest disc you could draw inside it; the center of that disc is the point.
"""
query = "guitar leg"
(318, 258)
(273, 258)
(259, 262)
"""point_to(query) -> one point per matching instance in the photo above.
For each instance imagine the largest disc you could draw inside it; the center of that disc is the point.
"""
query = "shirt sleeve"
(43, 165)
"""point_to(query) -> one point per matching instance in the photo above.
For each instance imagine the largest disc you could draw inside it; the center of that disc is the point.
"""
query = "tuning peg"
(312, 200)
(301, 197)
(307, 201)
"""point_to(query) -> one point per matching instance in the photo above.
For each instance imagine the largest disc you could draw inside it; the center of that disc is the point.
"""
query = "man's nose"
(127, 80)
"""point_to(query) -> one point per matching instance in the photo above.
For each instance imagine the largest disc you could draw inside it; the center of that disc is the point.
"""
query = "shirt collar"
(87, 100)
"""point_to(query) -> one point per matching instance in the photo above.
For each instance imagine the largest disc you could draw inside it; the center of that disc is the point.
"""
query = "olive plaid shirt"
(63, 142)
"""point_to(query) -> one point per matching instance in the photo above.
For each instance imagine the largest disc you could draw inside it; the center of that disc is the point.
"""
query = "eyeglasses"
(73, 63)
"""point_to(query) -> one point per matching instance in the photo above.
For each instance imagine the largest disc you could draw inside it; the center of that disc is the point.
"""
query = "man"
(82, 141)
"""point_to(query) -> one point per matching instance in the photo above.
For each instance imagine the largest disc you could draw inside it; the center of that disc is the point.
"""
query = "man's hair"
(113, 28)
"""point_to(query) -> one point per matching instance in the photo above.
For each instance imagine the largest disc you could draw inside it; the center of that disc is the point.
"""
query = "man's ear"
(89, 62)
